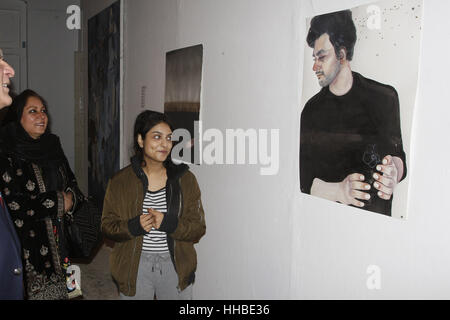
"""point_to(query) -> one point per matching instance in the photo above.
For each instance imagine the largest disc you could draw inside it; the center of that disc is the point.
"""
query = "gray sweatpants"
(157, 277)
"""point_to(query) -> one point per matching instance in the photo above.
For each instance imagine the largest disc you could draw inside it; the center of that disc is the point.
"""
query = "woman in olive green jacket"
(153, 211)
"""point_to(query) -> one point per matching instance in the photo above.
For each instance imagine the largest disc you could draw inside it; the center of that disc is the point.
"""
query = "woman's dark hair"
(16, 109)
(144, 122)
(339, 26)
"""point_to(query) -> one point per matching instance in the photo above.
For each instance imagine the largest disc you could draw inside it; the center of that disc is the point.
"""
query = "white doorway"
(13, 40)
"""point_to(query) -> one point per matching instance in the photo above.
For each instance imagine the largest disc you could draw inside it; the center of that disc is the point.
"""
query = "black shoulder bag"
(83, 233)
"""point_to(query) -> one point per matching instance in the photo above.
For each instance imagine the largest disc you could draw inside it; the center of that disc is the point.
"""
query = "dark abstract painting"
(183, 88)
(104, 94)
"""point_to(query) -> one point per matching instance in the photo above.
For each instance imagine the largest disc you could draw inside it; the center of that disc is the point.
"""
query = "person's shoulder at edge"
(3, 149)
(2, 136)
(123, 173)
(189, 176)
(376, 88)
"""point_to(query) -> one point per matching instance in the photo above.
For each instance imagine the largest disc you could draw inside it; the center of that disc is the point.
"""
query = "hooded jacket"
(184, 223)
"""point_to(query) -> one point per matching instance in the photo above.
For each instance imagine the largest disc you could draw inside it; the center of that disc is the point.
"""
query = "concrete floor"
(96, 280)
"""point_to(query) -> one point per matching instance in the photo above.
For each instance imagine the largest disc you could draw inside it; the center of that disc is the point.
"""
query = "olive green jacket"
(184, 223)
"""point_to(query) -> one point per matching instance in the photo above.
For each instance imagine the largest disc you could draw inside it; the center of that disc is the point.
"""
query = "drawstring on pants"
(156, 265)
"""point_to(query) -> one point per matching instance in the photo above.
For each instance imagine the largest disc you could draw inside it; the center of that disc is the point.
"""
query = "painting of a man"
(351, 148)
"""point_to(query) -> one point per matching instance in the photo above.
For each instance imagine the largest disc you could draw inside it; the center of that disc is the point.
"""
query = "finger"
(148, 224)
(357, 185)
(383, 188)
(145, 225)
(387, 165)
(356, 177)
(388, 160)
(357, 203)
(145, 217)
(360, 195)
(388, 170)
(384, 196)
(153, 212)
(385, 180)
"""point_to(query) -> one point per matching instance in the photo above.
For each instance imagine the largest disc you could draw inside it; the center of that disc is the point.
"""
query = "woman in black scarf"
(39, 188)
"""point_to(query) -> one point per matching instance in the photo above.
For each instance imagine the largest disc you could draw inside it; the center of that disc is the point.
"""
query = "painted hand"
(388, 176)
(350, 190)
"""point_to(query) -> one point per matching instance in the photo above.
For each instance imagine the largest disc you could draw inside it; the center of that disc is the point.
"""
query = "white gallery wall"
(51, 71)
(264, 239)
(249, 55)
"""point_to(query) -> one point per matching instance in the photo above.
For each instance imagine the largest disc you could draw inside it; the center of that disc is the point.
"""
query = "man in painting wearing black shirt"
(351, 148)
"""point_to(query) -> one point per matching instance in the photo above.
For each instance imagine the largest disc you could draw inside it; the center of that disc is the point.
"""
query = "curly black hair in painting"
(339, 26)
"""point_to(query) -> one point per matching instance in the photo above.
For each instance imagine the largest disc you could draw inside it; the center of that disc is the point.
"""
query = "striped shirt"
(155, 241)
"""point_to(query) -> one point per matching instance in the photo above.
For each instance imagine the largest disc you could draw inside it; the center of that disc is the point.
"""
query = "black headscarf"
(47, 148)
(46, 151)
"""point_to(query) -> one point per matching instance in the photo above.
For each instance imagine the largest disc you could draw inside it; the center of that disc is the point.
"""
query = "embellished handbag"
(83, 233)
